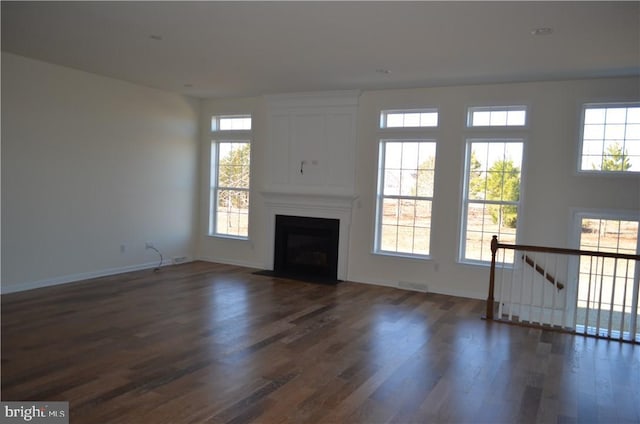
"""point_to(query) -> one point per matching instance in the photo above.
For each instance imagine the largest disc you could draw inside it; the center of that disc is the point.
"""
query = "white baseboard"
(432, 289)
(30, 285)
(13, 288)
(245, 264)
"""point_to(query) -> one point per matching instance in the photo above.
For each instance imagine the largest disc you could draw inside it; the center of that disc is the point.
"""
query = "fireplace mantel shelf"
(309, 198)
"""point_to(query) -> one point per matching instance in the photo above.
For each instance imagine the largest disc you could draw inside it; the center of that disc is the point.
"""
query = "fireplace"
(306, 248)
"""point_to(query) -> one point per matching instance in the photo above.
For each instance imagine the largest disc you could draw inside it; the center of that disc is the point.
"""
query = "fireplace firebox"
(306, 248)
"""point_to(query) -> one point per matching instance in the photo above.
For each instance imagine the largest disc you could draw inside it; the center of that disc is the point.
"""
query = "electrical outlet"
(123, 248)
(148, 245)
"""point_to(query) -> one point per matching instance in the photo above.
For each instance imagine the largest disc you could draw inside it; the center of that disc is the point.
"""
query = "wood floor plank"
(204, 342)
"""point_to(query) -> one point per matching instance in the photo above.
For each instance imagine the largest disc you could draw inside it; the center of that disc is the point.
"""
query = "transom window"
(231, 123)
(405, 194)
(411, 118)
(497, 116)
(491, 196)
(230, 176)
(611, 138)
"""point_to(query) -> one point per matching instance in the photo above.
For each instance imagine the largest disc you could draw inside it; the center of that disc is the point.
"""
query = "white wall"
(551, 188)
(233, 251)
(551, 185)
(91, 163)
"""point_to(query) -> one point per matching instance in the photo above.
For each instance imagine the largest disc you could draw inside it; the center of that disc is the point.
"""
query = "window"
(491, 196)
(607, 291)
(415, 118)
(230, 175)
(405, 193)
(610, 138)
(497, 116)
(231, 123)
(608, 234)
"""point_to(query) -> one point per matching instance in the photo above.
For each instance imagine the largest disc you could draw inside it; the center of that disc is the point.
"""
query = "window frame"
(577, 215)
(496, 108)
(402, 134)
(600, 172)
(217, 138)
(507, 138)
(380, 196)
(382, 124)
(216, 123)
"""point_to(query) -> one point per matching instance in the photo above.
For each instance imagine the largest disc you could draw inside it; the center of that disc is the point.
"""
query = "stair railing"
(594, 293)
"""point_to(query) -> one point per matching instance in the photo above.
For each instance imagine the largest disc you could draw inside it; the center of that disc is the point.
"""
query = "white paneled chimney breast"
(311, 148)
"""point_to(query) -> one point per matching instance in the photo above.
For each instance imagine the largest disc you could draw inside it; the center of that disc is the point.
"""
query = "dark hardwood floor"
(205, 342)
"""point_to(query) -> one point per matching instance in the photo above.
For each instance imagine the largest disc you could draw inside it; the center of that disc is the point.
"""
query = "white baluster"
(613, 291)
(513, 272)
(600, 296)
(588, 307)
(522, 285)
(533, 267)
(544, 285)
(624, 300)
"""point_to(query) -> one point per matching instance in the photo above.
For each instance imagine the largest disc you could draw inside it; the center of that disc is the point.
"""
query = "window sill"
(228, 237)
(475, 263)
(608, 174)
(401, 255)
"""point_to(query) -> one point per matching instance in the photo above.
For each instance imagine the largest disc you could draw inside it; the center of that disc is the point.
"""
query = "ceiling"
(223, 49)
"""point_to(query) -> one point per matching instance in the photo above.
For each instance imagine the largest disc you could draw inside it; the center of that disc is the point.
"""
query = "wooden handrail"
(529, 320)
(550, 278)
(495, 245)
(563, 251)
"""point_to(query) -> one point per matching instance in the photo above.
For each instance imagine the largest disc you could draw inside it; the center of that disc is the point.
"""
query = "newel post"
(492, 277)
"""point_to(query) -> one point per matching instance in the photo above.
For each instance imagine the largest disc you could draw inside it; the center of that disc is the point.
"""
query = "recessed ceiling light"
(156, 37)
(383, 71)
(541, 31)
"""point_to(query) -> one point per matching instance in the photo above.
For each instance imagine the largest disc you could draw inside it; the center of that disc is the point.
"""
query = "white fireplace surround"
(313, 206)
(310, 173)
